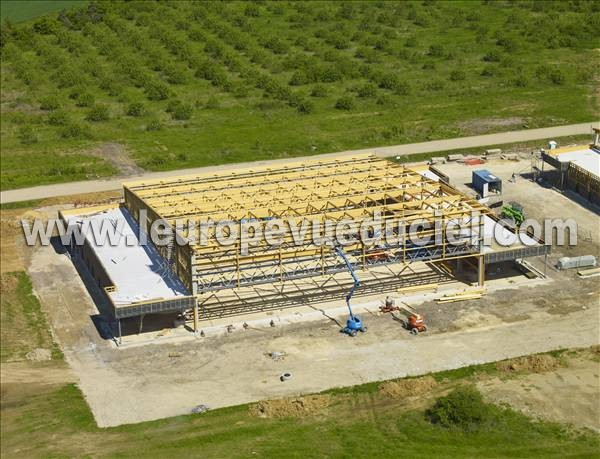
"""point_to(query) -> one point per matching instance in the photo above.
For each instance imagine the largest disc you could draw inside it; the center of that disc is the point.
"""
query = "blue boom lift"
(354, 324)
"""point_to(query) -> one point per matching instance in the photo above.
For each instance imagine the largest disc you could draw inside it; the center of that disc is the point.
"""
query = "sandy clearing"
(568, 395)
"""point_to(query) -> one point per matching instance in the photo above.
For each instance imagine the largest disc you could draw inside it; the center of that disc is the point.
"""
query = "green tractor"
(513, 211)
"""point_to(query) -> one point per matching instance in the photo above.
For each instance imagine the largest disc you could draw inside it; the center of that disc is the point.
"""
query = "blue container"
(484, 182)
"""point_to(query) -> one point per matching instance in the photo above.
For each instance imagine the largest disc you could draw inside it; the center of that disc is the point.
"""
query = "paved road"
(65, 189)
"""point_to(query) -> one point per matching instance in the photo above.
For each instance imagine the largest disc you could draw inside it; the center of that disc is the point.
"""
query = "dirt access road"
(66, 189)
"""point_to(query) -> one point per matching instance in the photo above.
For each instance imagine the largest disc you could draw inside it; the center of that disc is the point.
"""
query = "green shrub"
(136, 109)
(111, 86)
(393, 82)
(67, 77)
(367, 90)
(157, 90)
(50, 102)
(176, 75)
(507, 43)
(457, 75)
(182, 111)
(368, 54)
(154, 125)
(240, 90)
(319, 90)
(436, 50)
(85, 100)
(98, 112)
(546, 72)
(463, 408)
(298, 78)
(492, 56)
(339, 40)
(46, 25)
(345, 103)
(58, 118)
(26, 135)
(172, 105)
(276, 44)
(556, 76)
(435, 85)
(520, 81)
(252, 10)
(75, 131)
(305, 106)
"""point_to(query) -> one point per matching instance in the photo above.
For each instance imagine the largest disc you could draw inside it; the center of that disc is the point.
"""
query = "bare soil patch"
(290, 407)
(408, 387)
(485, 125)
(567, 395)
(39, 355)
(117, 155)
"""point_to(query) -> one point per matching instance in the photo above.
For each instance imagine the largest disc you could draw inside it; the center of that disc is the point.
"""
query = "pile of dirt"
(530, 364)
(290, 407)
(39, 355)
(407, 387)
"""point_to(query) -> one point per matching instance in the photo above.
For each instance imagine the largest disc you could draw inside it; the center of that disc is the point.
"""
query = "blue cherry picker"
(354, 324)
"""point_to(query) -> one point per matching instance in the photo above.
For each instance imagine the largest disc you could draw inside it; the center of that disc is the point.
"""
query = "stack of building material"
(474, 161)
(585, 273)
(437, 160)
(418, 288)
(493, 152)
(473, 294)
(456, 157)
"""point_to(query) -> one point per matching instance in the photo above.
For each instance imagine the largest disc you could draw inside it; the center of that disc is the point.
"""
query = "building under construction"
(577, 168)
(208, 279)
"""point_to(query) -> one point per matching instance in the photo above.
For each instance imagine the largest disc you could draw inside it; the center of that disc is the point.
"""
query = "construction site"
(153, 330)
(212, 281)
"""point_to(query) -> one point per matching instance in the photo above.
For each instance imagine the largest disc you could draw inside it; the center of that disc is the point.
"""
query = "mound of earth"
(407, 387)
(530, 363)
(290, 407)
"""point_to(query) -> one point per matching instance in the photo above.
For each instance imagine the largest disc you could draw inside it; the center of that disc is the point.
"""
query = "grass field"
(43, 421)
(24, 325)
(183, 84)
(24, 10)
